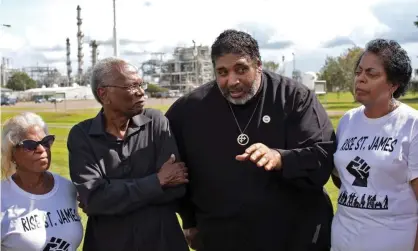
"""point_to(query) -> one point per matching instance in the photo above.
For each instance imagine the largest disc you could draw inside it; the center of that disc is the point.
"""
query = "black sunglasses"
(31, 145)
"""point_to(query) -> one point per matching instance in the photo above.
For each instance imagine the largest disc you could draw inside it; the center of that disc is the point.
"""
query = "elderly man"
(259, 150)
(122, 163)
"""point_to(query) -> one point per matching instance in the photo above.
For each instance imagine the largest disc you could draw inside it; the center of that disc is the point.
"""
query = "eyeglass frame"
(132, 89)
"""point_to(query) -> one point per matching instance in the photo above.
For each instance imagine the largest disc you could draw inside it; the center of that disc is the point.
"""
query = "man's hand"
(193, 239)
(263, 156)
(172, 174)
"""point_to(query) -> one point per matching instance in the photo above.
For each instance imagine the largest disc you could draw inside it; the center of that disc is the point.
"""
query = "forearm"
(416, 241)
(187, 213)
(118, 196)
(169, 195)
(308, 167)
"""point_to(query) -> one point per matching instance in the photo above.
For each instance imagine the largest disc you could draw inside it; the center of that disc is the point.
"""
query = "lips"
(140, 102)
(361, 91)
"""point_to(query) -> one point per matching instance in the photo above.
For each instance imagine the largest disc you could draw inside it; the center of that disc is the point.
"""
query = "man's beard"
(248, 95)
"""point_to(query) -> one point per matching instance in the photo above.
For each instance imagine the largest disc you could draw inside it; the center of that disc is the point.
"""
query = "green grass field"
(60, 123)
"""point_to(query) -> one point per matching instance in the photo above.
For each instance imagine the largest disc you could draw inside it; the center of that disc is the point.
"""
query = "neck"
(115, 124)
(379, 110)
(34, 183)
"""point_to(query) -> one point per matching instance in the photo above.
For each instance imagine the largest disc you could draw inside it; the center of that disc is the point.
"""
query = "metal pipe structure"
(3, 65)
(93, 45)
(115, 37)
(80, 36)
(69, 68)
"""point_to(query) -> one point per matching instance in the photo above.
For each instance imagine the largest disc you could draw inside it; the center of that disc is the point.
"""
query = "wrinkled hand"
(172, 174)
(193, 239)
(263, 156)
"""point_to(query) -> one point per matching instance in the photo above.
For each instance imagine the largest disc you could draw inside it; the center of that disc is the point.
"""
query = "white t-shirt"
(48, 222)
(376, 159)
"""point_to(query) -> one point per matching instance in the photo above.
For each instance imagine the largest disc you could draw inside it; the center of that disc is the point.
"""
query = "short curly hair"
(235, 42)
(396, 63)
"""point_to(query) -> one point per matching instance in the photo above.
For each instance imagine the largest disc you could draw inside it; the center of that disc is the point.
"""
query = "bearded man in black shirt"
(259, 150)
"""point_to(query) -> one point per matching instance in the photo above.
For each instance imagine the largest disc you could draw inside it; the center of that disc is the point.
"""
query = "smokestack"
(80, 36)
(69, 69)
(93, 45)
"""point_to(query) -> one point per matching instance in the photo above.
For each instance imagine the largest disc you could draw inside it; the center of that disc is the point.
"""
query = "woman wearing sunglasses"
(38, 208)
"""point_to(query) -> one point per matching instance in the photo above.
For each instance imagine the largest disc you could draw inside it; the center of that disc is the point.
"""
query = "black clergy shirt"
(237, 205)
(117, 182)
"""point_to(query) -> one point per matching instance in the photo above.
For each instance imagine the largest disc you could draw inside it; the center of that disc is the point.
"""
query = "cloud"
(264, 34)
(338, 41)
(50, 49)
(399, 19)
(123, 42)
(310, 29)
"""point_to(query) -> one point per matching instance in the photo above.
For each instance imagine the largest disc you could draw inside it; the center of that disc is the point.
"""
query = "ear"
(102, 93)
(393, 88)
(259, 65)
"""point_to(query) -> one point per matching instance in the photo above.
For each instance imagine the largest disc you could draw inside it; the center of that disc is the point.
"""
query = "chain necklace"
(243, 138)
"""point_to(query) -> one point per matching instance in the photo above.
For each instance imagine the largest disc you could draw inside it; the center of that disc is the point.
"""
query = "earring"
(392, 102)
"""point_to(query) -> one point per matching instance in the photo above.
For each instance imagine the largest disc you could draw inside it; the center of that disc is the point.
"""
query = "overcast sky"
(312, 29)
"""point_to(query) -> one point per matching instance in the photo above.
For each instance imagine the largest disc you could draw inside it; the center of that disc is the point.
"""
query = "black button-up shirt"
(117, 182)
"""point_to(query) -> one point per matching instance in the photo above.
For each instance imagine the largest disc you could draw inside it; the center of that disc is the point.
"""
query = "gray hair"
(13, 132)
(102, 71)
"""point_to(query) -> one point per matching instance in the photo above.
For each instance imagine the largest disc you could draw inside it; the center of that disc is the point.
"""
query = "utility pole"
(115, 37)
(294, 61)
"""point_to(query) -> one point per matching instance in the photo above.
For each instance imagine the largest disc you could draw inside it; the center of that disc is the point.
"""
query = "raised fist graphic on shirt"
(360, 170)
(56, 244)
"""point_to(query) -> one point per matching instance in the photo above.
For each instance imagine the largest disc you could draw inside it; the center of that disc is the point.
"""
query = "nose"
(40, 149)
(140, 92)
(359, 77)
(233, 79)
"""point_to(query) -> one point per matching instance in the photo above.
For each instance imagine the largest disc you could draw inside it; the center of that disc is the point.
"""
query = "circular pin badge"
(266, 119)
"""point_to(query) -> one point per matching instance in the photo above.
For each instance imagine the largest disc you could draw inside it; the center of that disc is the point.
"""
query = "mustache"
(238, 88)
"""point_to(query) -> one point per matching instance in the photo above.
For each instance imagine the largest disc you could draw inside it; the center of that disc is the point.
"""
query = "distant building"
(415, 76)
(189, 68)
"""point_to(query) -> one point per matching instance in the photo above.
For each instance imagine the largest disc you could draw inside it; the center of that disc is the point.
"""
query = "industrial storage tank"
(308, 79)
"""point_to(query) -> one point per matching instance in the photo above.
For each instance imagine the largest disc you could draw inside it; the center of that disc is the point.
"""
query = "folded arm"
(166, 145)
(99, 194)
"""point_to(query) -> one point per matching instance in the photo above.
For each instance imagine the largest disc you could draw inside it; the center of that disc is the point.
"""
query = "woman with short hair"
(38, 207)
(377, 157)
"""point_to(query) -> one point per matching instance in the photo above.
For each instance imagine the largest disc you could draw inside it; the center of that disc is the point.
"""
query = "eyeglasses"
(31, 145)
(132, 88)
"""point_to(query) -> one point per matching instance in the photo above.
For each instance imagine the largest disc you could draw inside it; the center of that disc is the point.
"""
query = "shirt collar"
(98, 124)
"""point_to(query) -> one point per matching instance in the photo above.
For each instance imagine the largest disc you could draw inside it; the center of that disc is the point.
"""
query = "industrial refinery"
(186, 68)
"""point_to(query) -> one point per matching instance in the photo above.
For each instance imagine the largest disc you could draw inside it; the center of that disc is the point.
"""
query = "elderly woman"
(38, 208)
(377, 157)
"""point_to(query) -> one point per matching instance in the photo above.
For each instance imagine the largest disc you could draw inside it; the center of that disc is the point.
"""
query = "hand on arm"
(167, 148)
(98, 194)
